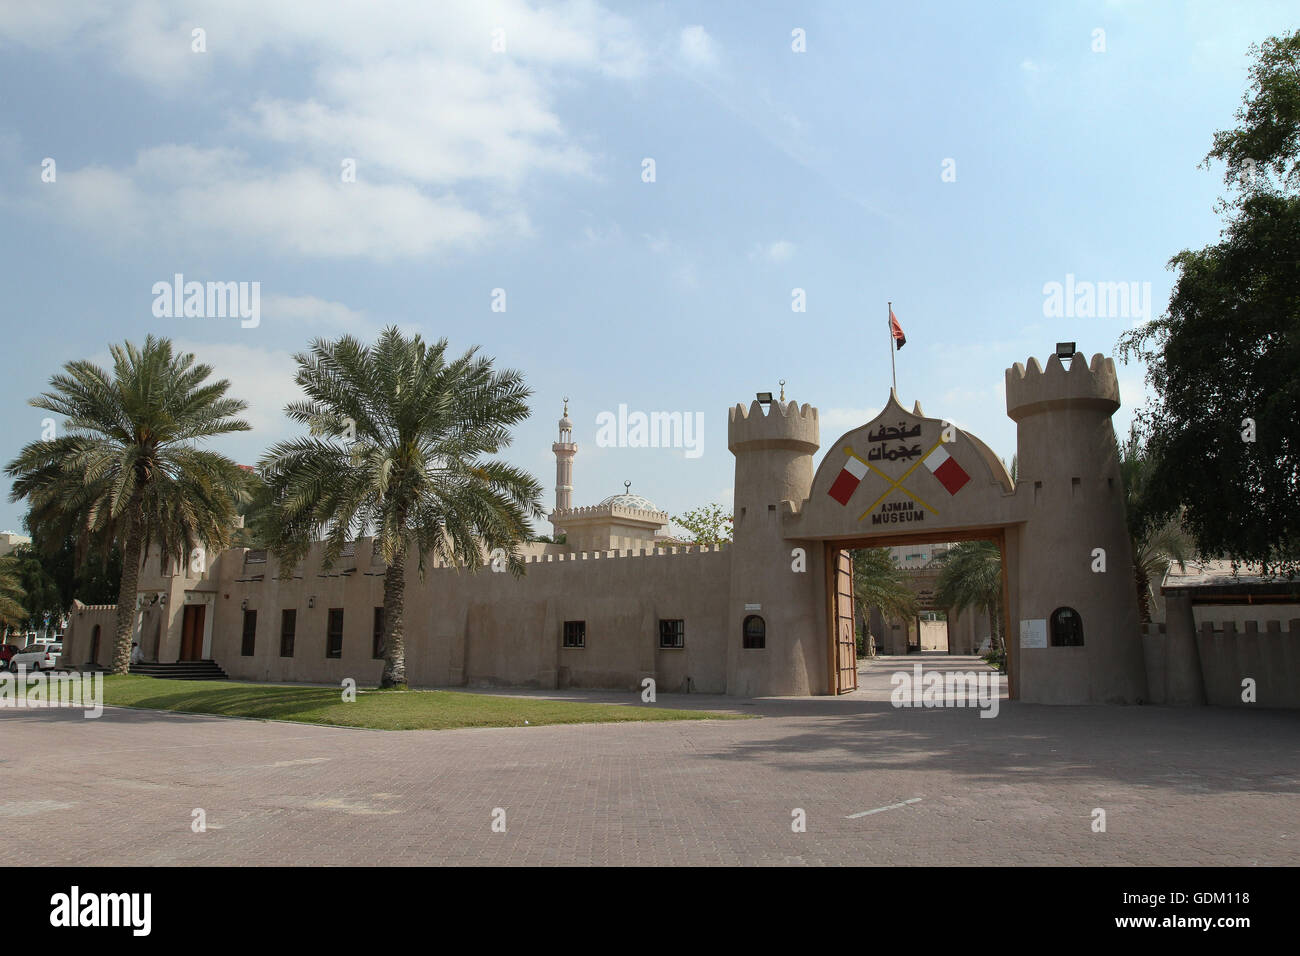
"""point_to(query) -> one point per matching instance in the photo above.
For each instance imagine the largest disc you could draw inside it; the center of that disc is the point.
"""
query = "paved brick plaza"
(1198, 787)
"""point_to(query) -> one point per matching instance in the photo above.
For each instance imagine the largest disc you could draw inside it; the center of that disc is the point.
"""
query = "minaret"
(564, 450)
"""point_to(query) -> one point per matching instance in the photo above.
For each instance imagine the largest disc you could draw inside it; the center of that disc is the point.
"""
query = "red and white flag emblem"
(944, 467)
(847, 481)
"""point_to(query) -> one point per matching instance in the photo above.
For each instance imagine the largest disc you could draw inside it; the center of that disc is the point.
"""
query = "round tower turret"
(774, 473)
(1076, 562)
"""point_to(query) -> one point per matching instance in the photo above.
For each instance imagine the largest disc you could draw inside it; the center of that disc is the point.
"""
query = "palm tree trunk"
(1143, 585)
(126, 593)
(996, 638)
(394, 624)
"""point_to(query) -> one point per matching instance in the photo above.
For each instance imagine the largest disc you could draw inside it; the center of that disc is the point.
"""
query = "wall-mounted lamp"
(311, 601)
(764, 398)
(1065, 351)
(244, 604)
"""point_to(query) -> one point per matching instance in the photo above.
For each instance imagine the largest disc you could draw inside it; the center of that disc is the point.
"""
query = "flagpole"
(890, 326)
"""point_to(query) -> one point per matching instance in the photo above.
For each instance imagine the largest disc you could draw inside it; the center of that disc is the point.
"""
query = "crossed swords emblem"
(895, 484)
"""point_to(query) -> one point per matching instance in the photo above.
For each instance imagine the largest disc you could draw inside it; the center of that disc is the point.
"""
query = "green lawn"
(381, 710)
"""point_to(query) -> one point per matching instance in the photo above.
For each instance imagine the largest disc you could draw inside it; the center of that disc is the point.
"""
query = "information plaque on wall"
(1033, 633)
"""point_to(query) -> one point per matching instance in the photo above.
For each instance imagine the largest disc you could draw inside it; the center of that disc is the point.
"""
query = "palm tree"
(878, 582)
(1156, 543)
(12, 611)
(129, 469)
(396, 443)
(971, 577)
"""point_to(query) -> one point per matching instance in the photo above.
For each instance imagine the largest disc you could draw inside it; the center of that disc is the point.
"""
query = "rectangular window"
(575, 633)
(250, 634)
(672, 633)
(288, 625)
(334, 633)
(377, 640)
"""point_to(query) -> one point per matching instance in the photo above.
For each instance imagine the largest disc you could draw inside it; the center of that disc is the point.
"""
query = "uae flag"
(896, 331)
(944, 467)
(847, 481)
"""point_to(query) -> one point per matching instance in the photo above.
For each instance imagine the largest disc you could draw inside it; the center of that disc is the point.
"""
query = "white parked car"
(36, 657)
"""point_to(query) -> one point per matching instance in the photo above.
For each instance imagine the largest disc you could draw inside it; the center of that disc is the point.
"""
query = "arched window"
(754, 632)
(1066, 627)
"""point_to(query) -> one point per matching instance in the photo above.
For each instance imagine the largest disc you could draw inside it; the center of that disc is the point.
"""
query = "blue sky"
(521, 169)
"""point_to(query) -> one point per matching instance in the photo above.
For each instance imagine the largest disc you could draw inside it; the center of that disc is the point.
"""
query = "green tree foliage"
(708, 525)
(878, 582)
(77, 572)
(128, 469)
(397, 444)
(971, 577)
(39, 588)
(13, 598)
(1223, 432)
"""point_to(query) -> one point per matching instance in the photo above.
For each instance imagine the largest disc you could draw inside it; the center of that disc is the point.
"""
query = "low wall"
(79, 639)
(1270, 657)
(490, 629)
(1226, 655)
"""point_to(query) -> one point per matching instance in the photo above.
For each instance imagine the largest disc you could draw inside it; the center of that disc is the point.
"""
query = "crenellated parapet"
(617, 553)
(609, 510)
(1032, 389)
(785, 425)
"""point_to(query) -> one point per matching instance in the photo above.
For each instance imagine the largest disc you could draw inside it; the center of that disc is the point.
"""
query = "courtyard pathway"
(1197, 786)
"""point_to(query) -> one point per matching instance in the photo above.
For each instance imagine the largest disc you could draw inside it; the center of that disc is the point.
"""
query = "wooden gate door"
(192, 632)
(845, 634)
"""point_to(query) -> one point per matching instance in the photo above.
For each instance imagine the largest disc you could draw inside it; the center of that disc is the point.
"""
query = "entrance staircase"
(182, 670)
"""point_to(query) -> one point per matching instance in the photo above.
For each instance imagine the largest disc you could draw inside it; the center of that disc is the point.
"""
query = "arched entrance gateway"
(1070, 611)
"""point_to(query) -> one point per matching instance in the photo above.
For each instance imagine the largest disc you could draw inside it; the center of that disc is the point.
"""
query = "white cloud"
(152, 39)
(262, 377)
(436, 122)
(834, 422)
(697, 47)
(186, 194)
(779, 251)
(308, 311)
(444, 129)
(659, 245)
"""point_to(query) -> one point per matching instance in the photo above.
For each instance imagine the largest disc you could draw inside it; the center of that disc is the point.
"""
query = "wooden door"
(192, 632)
(846, 643)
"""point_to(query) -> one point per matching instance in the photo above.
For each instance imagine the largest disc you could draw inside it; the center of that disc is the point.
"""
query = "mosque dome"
(629, 500)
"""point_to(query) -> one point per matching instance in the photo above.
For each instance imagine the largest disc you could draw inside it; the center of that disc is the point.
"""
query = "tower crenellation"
(785, 425)
(1032, 388)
